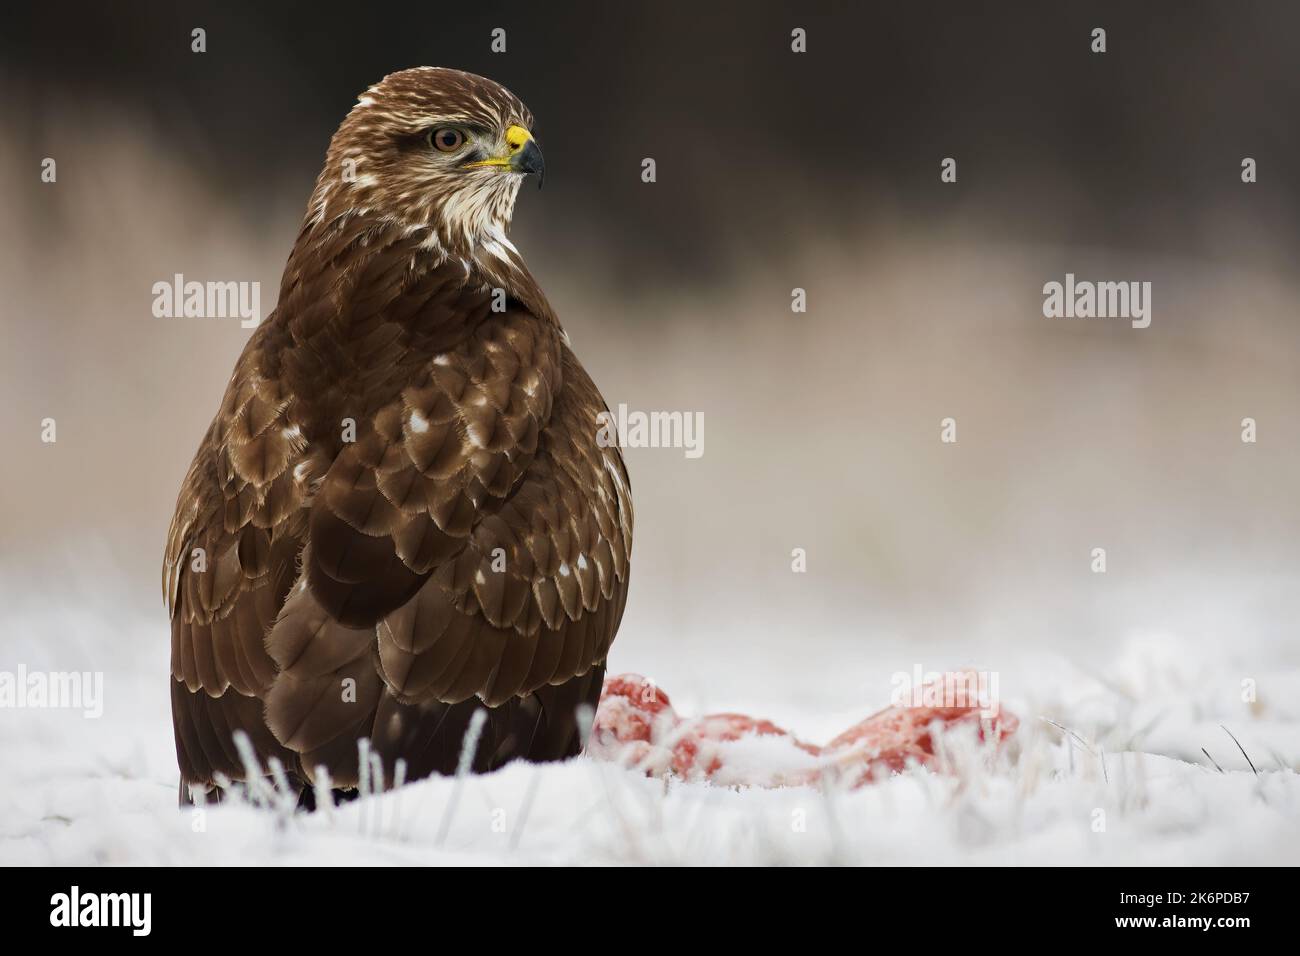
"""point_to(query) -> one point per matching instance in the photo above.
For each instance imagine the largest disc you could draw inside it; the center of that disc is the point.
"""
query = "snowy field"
(1133, 787)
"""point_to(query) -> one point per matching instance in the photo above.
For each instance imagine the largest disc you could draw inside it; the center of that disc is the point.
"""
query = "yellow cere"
(516, 137)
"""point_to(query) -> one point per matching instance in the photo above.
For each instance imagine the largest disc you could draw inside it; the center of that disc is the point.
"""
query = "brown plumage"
(401, 512)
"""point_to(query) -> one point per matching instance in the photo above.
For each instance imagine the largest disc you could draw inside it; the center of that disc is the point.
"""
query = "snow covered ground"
(1134, 787)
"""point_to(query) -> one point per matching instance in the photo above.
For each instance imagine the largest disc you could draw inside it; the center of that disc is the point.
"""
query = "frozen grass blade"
(377, 790)
(1066, 730)
(399, 780)
(286, 799)
(585, 714)
(363, 782)
(525, 807)
(278, 775)
(324, 792)
(1241, 748)
(469, 746)
(228, 789)
(261, 792)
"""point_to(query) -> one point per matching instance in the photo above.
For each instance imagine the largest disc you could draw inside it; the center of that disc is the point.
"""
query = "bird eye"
(447, 140)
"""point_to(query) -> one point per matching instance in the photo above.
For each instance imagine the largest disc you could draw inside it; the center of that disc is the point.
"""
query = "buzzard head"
(432, 148)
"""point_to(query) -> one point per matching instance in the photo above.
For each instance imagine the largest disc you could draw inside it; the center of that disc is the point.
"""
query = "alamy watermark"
(1083, 299)
(630, 429)
(208, 300)
(967, 689)
(53, 690)
(75, 908)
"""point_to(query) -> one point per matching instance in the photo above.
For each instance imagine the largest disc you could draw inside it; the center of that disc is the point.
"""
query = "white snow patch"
(78, 791)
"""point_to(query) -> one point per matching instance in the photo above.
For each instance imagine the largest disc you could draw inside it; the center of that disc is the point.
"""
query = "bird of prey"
(404, 510)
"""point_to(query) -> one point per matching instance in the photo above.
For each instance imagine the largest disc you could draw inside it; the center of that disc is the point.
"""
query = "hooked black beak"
(528, 159)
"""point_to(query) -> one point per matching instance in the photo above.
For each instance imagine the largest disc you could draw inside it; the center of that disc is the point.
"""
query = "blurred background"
(775, 171)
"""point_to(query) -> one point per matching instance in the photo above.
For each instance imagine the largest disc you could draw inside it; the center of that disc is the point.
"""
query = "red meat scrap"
(636, 726)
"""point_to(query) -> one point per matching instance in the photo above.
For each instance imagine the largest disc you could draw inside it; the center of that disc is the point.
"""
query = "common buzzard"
(401, 512)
